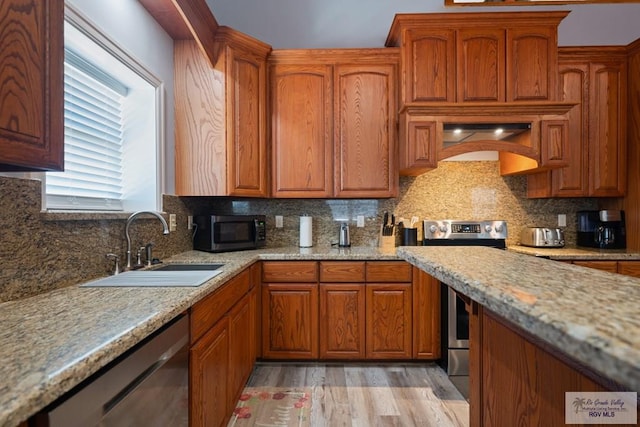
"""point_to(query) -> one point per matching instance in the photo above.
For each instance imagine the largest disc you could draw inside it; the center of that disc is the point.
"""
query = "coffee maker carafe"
(604, 229)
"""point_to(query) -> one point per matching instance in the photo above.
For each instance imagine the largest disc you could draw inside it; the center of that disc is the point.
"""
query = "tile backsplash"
(43, 251)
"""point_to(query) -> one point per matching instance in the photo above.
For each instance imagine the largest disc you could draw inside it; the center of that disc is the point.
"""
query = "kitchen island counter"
(51, 342)
(589, 315)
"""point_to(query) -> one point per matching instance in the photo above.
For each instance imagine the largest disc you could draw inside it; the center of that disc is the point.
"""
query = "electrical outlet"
(172, 222)
(360, 221)
(279, 221)
(562, 220)
(189, 222)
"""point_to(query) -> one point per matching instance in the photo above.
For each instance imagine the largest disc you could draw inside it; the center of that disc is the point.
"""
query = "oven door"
(457, 334)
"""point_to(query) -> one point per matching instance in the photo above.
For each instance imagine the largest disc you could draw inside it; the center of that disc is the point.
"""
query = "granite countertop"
(588, 314)
(51, 342)
(576, 253)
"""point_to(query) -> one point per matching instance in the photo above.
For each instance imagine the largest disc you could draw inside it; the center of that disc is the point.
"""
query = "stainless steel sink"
(189, 267)
(156, 278)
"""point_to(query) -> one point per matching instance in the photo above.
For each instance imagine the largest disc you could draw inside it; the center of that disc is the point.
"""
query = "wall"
(365, 23)
(43, 251)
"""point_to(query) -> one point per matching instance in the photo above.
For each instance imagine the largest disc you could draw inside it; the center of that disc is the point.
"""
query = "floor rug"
(272, 406)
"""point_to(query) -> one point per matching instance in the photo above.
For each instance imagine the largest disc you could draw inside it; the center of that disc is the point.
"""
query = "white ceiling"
(365, 23)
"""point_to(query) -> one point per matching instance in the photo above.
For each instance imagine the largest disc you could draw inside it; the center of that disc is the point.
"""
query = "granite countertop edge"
(577, 253)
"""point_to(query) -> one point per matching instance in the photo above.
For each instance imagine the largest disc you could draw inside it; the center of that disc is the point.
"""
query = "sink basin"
(155, 278)
(189, 267)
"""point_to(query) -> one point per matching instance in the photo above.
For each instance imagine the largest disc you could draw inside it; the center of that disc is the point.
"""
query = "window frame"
(90, 30)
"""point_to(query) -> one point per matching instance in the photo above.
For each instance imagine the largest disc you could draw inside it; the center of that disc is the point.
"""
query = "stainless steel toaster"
(540, 237)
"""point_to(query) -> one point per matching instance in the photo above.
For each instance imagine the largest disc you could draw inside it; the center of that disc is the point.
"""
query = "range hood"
(529, 136)
(460, 133)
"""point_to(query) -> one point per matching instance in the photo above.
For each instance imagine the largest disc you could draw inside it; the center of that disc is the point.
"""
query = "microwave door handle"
(255, 231)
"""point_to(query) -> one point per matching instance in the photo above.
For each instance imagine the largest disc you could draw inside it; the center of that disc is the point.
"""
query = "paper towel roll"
(306, 231)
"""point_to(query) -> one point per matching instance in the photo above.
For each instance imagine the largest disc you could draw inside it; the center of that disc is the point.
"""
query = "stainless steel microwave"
(223, 233)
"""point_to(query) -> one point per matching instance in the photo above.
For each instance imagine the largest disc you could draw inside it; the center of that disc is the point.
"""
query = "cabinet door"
(301, 131)
(241, 347)
(290, 321)
(31, 93)
(428, 56)
(573, 180)
(247, 146)
(629, 268)
(480, 65)
(365, 134)
(418, 139)
(607, 132)
(426, 315)
(532, 64)
(388, 329)
(342, 324)
(208, 367)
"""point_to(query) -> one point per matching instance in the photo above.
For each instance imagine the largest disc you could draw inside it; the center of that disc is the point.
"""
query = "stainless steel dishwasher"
(147, 386)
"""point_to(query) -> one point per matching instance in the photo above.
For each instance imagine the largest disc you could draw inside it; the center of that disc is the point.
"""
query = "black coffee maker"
(603, 229)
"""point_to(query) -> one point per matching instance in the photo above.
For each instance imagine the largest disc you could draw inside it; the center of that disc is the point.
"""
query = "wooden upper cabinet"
(477, 57)
(428, 58)
(365, 131)
(595, 78)
(480, 65)
(221, 142)
(31, 85)
(531, 63)
(607, 134)
(301, 130)
(333, 126)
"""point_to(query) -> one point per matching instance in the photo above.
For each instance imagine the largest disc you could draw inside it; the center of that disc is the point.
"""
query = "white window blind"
(93, 131)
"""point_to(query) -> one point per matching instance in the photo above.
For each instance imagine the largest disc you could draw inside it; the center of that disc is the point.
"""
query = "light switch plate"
(172, 222)
(279, 222)
(360, 221)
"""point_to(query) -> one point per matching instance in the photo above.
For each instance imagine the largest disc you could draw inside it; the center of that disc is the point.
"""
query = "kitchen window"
(113, 120)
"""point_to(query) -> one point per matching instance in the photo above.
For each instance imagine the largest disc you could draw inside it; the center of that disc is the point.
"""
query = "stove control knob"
(487, 228)
(499, 228)
(433, 229)
(443, 228)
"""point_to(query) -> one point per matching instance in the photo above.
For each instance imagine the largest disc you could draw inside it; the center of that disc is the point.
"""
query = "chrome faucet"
(126, 230)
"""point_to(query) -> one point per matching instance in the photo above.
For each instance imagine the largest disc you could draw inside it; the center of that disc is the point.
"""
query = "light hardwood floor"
(368, 395)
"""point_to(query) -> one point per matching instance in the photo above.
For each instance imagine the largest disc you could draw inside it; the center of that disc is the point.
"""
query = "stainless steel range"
(455, 319)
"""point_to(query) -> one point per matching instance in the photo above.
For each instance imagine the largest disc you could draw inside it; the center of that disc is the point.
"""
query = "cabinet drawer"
(629, 268)
(610, 266)
(290, 271)
(209, 310)
(342, 271)
(388, 271)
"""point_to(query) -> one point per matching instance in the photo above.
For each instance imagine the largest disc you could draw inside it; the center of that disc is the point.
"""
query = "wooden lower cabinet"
(356, 310)
(426, 315)
(610, 266)
(515, 379)
(629, 268)
(241, 348)
(208, 367)
(342, 321)
(388, 314)
(290, 320)
(223, 349)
